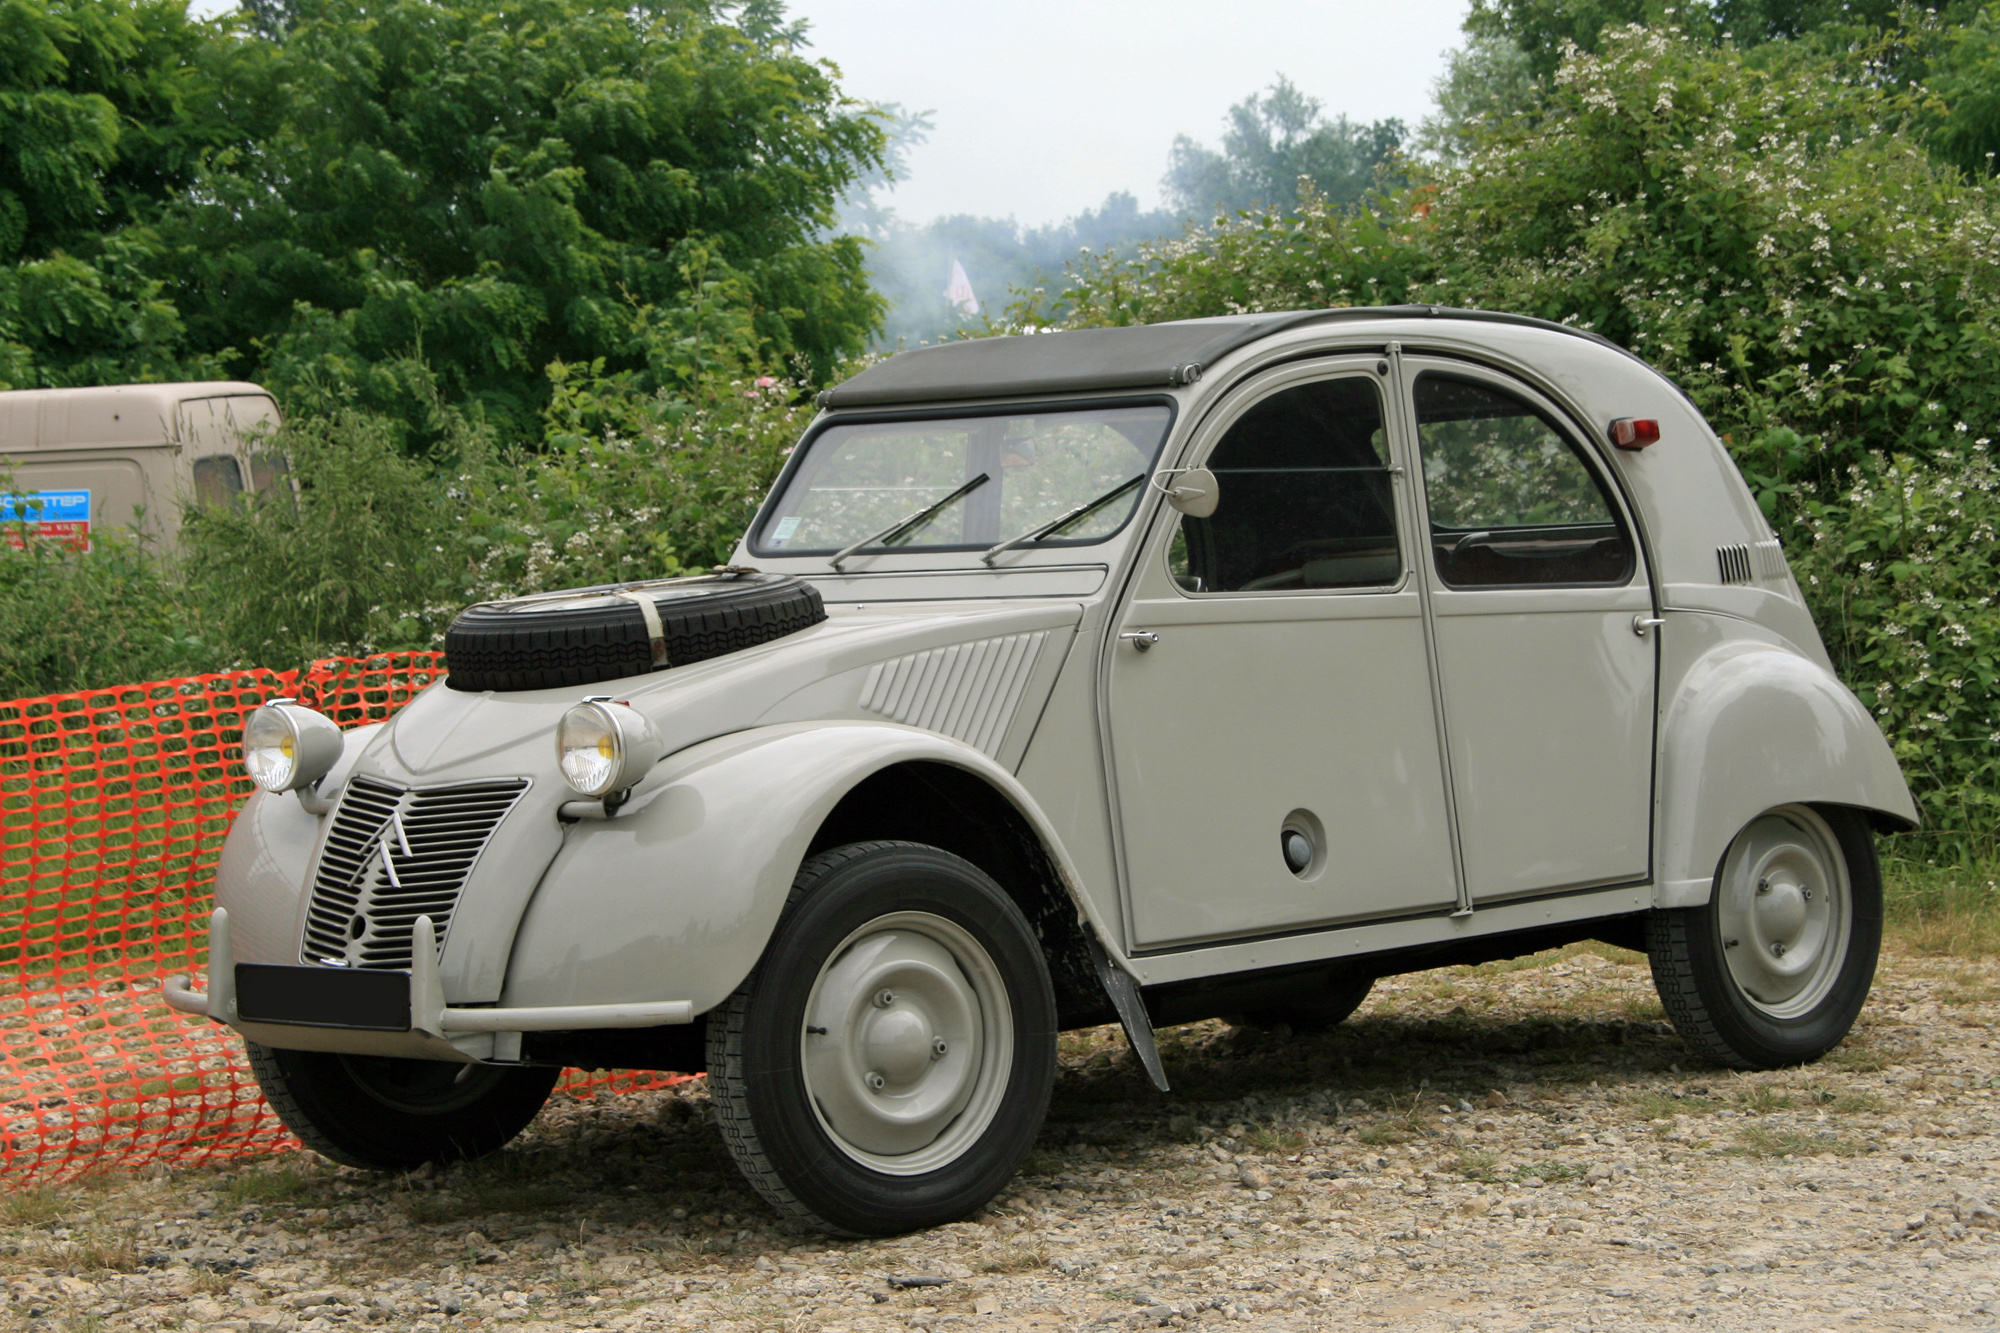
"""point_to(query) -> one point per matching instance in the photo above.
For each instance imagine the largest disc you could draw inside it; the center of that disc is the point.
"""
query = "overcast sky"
(1043, 107)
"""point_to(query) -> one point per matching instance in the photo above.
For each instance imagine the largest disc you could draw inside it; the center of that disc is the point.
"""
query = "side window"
(218, 479)
(1511, 502)
(1306, 497)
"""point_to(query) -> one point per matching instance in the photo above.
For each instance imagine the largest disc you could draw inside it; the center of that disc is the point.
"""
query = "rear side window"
(1306, 499)
(1511, 501)
(218, 479)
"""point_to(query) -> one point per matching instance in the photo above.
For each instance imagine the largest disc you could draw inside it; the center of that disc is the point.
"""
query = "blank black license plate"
(323, 997)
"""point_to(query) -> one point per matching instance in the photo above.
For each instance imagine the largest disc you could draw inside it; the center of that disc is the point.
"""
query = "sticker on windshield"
(62, 516)
(786, 527)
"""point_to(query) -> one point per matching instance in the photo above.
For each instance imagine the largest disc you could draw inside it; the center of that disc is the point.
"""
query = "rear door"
(1538, 587)
(225, 446)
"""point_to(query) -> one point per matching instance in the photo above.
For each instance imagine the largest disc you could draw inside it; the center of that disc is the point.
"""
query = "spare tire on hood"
(583, 635)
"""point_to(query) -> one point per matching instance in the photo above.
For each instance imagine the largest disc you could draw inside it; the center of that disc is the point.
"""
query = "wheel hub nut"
(874, 1080)
(884, 998)
(938, 1048)
(1777, 951)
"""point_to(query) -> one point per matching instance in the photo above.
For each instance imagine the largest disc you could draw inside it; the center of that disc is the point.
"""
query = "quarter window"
(1306, 497)
(1511, 501)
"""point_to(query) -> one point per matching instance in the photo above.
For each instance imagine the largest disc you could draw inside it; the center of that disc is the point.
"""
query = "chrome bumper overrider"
(429, 1014)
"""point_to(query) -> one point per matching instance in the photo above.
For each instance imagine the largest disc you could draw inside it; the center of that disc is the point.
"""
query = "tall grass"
(1946, 911)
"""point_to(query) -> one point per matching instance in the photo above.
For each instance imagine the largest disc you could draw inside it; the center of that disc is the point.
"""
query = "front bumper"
(288, 1015)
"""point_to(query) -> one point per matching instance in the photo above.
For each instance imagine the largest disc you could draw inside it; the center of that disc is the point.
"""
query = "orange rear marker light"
(1635, 432)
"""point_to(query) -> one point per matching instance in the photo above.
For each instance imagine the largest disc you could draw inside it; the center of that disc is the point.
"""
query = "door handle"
(1142, 639)
(1642, 623)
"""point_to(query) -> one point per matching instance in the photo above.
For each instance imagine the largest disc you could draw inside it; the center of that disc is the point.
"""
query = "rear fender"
(1754, 726)
(675, 897)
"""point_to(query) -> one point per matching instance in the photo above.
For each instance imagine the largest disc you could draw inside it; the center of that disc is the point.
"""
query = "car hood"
(938, 665)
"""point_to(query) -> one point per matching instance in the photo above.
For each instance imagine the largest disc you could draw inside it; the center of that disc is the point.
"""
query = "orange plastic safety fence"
(113, 807)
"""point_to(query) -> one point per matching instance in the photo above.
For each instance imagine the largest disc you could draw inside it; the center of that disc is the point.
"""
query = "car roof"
(1139, 356)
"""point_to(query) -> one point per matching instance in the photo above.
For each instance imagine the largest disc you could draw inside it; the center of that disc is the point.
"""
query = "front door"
(1275, 741)
(1536, 586)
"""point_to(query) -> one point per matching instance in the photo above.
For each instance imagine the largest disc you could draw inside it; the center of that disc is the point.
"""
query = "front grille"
(394, 854)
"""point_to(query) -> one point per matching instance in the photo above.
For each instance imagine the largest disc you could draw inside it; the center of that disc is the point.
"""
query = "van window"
(269, 473)
(218, 479)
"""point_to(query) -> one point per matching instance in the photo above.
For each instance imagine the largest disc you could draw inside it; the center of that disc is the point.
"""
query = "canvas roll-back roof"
(1139, 356)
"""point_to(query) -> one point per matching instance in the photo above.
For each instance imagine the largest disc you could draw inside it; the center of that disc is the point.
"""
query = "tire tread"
(277, 1090)
(725, 1043)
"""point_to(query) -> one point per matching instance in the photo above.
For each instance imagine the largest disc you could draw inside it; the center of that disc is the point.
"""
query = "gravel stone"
(1504, 1148)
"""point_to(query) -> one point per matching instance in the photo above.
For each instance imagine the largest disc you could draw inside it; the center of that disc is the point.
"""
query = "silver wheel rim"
(1784, 909)
(908, 1045)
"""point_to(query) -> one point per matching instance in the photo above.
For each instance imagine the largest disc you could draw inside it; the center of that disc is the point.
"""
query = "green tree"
(107, 110)
(1542, 29)
(1276, 139)
(1966, 82)
(1489, 78)
(456, 195)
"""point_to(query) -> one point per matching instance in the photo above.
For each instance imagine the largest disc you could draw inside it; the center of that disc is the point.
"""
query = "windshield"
(858, 480)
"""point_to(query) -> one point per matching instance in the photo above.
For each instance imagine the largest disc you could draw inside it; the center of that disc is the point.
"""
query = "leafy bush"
(363, 559)
(72, 620)
(1900, 572)
(634, 486)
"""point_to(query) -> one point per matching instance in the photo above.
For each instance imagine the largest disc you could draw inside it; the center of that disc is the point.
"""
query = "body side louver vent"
(1734, 562)
(1768, 557)
(968, 691)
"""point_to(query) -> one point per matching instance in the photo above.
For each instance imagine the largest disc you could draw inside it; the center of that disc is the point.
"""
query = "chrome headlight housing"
(287, 746)
(603, 746)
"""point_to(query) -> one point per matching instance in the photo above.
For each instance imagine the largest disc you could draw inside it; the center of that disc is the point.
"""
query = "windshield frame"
(753, 538)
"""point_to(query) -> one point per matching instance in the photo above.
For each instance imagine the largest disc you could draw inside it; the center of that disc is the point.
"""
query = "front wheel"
(387, 1114)
(1774, 968)
(887, 1065)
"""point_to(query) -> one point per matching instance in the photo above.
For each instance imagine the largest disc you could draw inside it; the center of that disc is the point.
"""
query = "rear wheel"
(391, 1115)
(888, 1064)
(1774, 968)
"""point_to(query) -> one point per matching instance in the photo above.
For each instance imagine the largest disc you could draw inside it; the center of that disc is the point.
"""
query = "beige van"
(129, 455)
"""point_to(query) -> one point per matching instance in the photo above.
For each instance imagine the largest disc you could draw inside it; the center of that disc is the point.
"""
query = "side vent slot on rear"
(1735, 563)
(1769, 557)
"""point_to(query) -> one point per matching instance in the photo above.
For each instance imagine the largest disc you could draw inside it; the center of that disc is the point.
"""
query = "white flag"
(959, 293)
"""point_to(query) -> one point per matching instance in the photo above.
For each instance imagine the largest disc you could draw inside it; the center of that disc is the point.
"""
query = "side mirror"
(1193, 492)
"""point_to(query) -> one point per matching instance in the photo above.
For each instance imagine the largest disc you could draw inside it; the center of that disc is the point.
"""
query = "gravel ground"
(1515, 1146)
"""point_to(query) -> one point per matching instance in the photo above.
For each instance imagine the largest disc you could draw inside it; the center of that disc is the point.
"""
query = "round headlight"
(287, 746)
(604, 747)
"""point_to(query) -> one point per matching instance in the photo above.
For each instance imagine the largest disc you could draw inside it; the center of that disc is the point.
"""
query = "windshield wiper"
(902, 525)
(1083, 510)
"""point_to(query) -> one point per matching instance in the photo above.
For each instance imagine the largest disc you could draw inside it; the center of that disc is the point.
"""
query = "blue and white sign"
(54, 507)
(62, 516)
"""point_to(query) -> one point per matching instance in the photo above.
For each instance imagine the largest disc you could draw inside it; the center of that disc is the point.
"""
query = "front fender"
(675, 898)
(1754, 726)
(261, 877)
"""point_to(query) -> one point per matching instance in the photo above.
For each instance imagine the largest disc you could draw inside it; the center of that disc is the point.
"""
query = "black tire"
(584, 635)
(814, 1136)
(1329, 1008)
(384, 1114)
(1720, 967)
